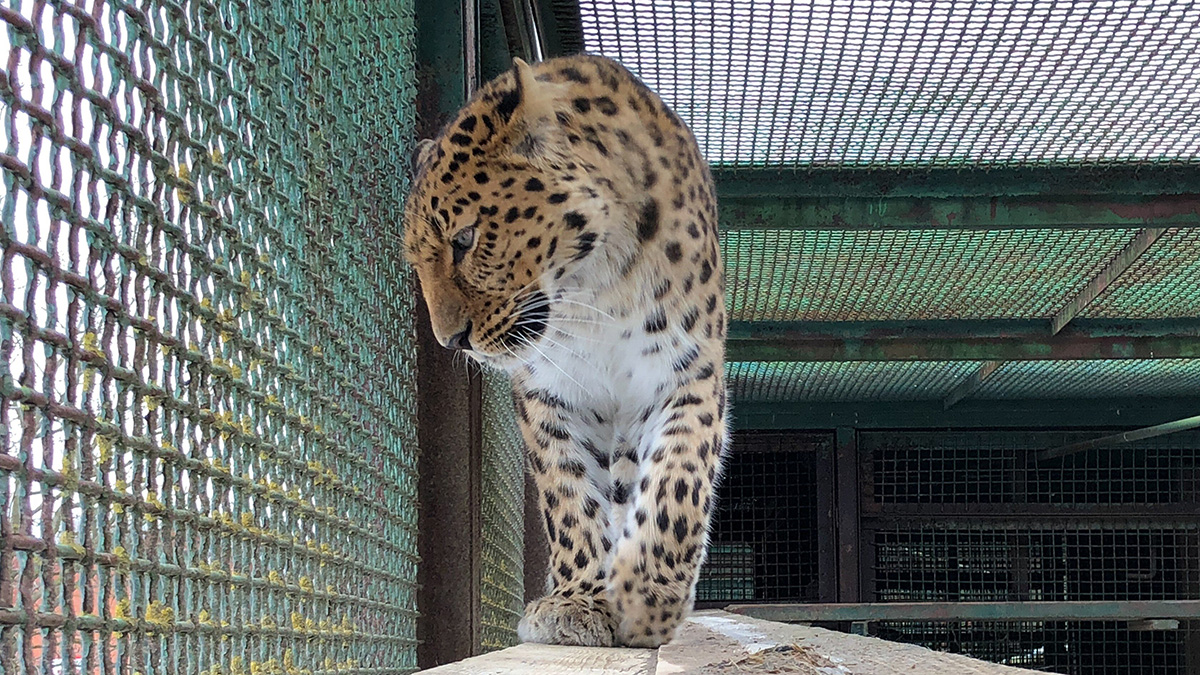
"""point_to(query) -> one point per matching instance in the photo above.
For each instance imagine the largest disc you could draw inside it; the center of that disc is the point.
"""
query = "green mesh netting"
(866, 83)
(207, 462)
(503, 507)
(813, 275)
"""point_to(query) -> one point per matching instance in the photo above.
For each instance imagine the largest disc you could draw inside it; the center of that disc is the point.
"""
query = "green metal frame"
(957, 213)
(969, 414)
(961, 341)
(1080, 610)
(740, 182)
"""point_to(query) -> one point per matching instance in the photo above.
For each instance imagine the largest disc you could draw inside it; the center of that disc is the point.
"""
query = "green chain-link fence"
(503, 504)
(208, 459)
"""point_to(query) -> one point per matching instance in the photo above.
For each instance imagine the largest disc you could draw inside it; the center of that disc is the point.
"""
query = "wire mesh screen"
(208, 454)
(786, 381)
(764, 534)
(980, 468)
(1067, 647)
(876, 84)
(973, 517)
(808, 275)
(503, 556)
(1159, 284)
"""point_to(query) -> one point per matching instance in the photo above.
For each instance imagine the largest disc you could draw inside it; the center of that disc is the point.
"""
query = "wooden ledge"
(719, 643)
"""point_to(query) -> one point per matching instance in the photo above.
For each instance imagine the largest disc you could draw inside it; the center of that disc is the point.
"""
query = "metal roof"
(1017, 180)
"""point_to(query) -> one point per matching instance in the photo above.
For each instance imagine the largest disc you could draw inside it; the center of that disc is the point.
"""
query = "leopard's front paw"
(558, 620)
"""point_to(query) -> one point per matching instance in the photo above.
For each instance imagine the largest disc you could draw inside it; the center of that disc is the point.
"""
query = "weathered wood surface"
(719, 643)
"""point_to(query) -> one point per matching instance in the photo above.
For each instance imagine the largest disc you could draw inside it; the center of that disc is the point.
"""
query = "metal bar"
(964, 213)
(848, 503)
(560, 26)
(1057, 348)
(874, 183)
(971, 383)
(449, 465)
(827, 530)
(1080, 610)
(1026, 511)
(959, 328)
(1122, 438)
(1100, 283)
(969, 414)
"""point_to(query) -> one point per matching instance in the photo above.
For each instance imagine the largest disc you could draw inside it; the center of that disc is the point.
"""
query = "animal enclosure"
(961, 241)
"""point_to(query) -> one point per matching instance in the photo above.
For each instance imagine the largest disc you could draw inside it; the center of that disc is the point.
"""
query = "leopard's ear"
(421, 155)
(533, 114)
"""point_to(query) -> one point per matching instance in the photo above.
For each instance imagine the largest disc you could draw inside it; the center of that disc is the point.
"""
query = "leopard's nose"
(460, 340)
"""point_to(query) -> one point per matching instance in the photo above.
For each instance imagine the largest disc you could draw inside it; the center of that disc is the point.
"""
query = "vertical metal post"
(449, 405)
(537, 549)
(827, 541)
(849, 551)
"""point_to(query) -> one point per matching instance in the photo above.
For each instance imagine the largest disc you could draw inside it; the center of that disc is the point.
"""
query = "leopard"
(563, 230)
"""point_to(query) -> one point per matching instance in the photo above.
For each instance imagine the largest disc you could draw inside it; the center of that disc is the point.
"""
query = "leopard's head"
(501, 214)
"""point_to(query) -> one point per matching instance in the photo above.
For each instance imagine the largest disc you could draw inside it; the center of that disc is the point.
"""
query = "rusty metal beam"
(971, 383)
(1057, 348)
(958, 213)
(1100, 283)
(969, 414)
(978, 182)
(1090, 610)
(1122, 438)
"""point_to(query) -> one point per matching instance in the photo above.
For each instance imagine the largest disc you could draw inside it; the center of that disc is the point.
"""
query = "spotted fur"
(563, 227)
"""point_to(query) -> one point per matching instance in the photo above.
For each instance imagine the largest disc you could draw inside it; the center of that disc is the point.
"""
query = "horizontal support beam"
(958, 213)
(875, 183)
(969, 414)
(925, 512)
(1123, 438)
(1087, 610)
(959, 329)
(1058, 348)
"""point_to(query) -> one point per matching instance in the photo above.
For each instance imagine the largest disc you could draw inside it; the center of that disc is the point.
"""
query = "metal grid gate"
(207, 463)
(972, 516)
(764, 543)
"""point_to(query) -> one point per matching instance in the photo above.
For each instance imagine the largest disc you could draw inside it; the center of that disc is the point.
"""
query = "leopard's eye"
(462, 242)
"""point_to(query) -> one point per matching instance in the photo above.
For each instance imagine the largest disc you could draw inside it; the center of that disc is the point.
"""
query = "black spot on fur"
(508, 103)
(534, 185)
(584, 245)
(582, 104)
(647, 224)
(605, 105)
(461, 139)
(575, 220)
(572, 73)
(557, 198)
(663, 521)
(620, 493)
(674, 251)
(656, 322)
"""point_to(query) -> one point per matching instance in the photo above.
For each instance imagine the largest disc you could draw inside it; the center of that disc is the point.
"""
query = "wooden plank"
(717, 642)
(714, 639)
(554, 660)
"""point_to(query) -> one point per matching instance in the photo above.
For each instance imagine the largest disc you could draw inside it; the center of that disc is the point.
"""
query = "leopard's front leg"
(658, 557)
(569, 479)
